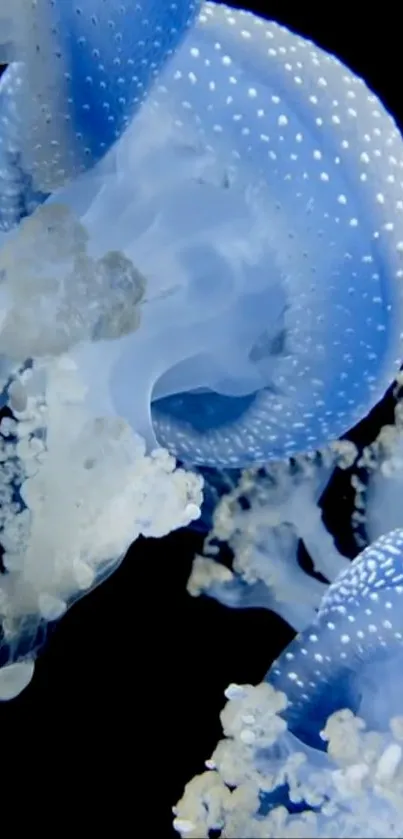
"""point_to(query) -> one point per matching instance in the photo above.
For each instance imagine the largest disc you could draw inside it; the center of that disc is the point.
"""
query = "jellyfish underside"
(221, 331)
(199, 331)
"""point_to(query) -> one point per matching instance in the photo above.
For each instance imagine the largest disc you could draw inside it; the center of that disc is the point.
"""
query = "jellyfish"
(241, 189)
(211, 278)
(351, 648)
(258, 370)
(316, 749)
(78, 74)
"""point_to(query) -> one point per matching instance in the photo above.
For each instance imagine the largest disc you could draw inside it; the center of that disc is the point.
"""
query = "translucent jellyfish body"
(58, 459)
(265, 224)
(316, 750)
(224, 281)
(81, 71)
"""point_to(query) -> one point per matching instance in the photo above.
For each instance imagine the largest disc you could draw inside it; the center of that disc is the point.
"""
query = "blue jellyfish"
(257, 194)
(208, 260)
(316, 749)
(351, 655)
(79, 72)
(294, 139)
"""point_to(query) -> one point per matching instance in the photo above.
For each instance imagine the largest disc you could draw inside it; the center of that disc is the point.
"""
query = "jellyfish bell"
(328, 254)
(316, 749)
(350, 655)
(262, 220)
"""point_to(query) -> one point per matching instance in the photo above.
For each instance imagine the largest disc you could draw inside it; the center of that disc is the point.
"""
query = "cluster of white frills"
(357, 790)
(76, 488)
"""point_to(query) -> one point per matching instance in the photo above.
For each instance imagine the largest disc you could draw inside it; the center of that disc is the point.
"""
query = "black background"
(124, 706)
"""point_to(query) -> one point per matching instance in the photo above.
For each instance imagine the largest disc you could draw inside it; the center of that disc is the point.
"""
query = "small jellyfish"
(316, 749)
(79, 73)
(351, 655)
(256, 192)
